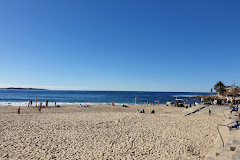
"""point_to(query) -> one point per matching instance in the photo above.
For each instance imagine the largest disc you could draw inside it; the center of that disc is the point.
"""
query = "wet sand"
(105, 132)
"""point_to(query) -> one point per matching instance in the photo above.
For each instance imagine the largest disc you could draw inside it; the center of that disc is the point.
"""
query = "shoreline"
(52, 104)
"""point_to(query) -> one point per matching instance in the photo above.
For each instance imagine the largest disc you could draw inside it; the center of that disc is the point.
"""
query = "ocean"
(21, 97)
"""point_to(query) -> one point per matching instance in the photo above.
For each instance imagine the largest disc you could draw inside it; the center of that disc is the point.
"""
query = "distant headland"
(13, 88)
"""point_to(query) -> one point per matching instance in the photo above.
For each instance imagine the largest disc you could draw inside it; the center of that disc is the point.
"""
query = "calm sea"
(21, 97)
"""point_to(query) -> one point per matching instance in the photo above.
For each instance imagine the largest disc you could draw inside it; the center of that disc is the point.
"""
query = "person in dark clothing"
(153, 112)
(40, 107)
(237, 123)
(19, 110)
(235, 126)
(234, 109)
(210, 112)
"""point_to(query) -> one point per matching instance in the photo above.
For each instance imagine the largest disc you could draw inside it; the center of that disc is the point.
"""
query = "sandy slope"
(105, 132)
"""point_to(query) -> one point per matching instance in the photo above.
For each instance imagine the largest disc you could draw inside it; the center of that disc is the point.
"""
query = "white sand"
(105, 132)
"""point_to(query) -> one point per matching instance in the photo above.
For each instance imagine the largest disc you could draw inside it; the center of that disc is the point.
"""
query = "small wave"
(184, 95)
(58, 103)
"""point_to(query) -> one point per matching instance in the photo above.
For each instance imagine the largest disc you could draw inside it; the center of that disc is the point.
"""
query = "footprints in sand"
(62, 133)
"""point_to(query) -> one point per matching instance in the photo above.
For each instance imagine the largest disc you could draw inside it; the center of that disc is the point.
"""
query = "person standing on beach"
(210, 112)
(55, 103)
(28, 103)
(202, 99)
(31, 102)
(19, 110)
(40, 107)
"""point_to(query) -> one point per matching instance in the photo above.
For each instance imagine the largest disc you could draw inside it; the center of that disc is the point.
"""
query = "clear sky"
(170, 45)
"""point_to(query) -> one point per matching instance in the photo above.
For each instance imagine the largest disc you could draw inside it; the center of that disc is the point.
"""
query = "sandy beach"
(105, 132)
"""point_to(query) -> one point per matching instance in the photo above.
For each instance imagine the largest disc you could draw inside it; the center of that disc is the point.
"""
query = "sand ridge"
(105, 132)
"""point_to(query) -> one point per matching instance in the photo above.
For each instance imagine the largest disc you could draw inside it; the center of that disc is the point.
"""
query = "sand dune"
(105, 132)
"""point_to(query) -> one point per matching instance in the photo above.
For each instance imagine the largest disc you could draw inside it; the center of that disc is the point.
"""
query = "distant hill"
(13, 88)
(232, 91)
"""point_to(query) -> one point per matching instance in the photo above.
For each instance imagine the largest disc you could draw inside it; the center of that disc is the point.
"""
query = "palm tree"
(220, 87)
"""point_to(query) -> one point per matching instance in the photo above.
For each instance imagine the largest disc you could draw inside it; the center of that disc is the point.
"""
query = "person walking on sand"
(19, 110)
(31, 102)
(202, 100)
(39, 108)
(210, 112)
(28, 103)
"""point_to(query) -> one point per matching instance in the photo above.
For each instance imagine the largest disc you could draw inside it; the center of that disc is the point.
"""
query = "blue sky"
(119, 45)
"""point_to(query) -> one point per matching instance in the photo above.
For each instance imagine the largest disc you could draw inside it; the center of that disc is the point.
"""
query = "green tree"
(220, 87)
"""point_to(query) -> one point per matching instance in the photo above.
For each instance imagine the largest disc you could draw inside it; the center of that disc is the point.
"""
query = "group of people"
(232, 101)
(46, 104)
(152, 103)
(39, 107)
(237, 123)
(226, 101)
(235, 109)
(29, 103)
(216, 102)
(142, 111)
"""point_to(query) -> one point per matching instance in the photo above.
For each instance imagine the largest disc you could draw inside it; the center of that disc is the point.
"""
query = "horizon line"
(33, 88)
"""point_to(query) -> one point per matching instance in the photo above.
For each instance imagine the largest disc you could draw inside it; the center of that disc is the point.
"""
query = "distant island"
(13, 88)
